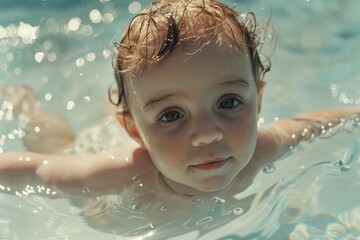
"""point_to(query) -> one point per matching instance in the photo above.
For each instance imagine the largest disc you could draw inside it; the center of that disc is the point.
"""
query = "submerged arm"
(103, 172)
(283, 135)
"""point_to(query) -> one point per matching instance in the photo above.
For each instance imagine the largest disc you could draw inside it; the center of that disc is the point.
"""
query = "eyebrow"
(238, 82)
(156, 100)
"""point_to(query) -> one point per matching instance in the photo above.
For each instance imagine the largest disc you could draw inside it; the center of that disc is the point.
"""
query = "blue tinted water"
(315, 65)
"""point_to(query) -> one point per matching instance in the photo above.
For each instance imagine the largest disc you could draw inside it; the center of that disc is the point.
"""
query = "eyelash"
(181, 115)
(161, 116)
(232, 97)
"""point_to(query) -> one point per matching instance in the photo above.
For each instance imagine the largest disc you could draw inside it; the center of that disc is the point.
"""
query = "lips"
(211, 164)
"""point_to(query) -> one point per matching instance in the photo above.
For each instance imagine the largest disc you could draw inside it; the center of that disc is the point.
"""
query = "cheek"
(165, 150)
(243, 131)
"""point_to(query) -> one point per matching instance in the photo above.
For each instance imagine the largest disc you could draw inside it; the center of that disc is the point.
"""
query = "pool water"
(312, 193)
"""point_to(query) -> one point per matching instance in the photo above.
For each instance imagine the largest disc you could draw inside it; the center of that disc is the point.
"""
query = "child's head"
(190, 86)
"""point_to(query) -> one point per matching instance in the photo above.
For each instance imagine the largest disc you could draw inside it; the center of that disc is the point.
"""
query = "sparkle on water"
(62, 51)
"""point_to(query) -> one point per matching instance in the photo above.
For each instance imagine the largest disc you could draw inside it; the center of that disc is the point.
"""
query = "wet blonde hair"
(155, 32)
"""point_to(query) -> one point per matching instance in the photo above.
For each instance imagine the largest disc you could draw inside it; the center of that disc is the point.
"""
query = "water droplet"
(74, 24)
(135, 206)
(197, 200)
(85, 190)
(269, 168)
(238, 211)
(66, 74)
(87, 99)
(338, 163)
(345, 168)
(261, 120)
(70, 105)
(106, 53)
(95, 16)
(134, 7)
(107, 18)
(134, 177)
(218, 200)
(52, 57)
(9, 56)
(17, 71)
(11, 136)
(90, 57)
(80, 62)
(48, 96)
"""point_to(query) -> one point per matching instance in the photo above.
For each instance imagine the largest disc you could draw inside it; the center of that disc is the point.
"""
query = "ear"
(127, 122)
(260, 94)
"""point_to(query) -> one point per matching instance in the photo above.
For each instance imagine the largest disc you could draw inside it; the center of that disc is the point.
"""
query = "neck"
(183, 190)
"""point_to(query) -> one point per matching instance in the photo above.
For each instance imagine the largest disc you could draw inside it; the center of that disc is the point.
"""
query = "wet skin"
(197, 117)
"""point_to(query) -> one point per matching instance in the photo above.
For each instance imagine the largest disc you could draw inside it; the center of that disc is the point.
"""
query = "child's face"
(190, 110)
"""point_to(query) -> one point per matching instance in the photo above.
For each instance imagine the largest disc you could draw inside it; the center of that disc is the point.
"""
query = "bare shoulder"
(267, 146)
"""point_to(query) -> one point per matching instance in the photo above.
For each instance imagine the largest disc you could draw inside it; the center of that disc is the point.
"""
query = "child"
(190, 84)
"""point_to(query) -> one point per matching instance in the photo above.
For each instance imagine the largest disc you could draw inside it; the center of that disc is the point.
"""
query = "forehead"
(197, 59)
(194, 67)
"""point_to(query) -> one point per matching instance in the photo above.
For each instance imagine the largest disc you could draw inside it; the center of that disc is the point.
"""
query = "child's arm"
(103, 172)
(45, 132)
(281, 136)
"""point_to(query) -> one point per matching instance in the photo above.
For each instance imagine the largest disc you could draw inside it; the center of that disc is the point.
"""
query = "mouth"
(211, 164)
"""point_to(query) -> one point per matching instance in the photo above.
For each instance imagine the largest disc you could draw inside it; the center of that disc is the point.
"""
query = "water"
(312, 193)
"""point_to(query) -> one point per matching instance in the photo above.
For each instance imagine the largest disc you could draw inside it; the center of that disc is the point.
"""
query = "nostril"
(206, 138)
(218, 138)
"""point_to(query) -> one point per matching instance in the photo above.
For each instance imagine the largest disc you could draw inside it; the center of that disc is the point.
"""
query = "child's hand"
(47, 133)
(21, 97)
(44, 132)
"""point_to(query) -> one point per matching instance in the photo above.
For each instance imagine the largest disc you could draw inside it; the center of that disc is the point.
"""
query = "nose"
(206, 132)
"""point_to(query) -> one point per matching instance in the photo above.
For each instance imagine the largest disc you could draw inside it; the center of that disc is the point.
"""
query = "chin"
(215, 184)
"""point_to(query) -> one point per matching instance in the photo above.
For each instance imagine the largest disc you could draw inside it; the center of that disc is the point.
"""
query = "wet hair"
(156, 31)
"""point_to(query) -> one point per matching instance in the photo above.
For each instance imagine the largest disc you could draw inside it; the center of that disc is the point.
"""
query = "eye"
(170, 116)
(229, 103)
